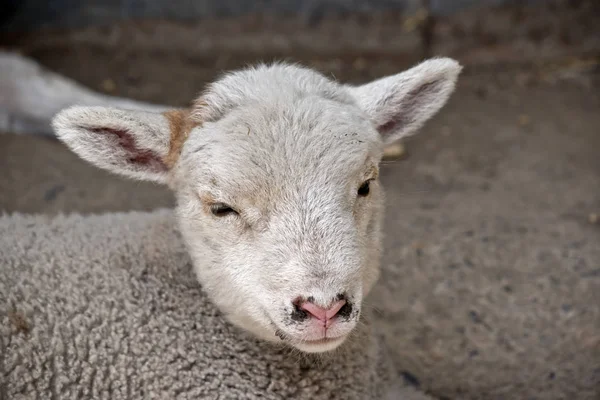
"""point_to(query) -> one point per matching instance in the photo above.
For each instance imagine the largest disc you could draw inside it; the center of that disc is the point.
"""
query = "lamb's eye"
(364, 189)
(222, 210)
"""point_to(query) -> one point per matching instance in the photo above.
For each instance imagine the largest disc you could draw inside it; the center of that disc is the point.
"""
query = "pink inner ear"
(406, 108)
(387, 127)
(144, 158)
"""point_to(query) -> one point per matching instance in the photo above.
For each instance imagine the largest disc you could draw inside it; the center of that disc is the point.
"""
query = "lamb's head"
(275, 171)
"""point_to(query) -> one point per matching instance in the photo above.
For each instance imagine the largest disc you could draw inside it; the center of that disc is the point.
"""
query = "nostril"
(298, 314)
(345, 311)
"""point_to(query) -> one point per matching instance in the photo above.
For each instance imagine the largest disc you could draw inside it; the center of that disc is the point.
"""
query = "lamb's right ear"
(136, 144)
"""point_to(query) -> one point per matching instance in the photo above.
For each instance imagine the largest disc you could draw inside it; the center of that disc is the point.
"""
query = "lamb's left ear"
(137, 144)
(400, 104)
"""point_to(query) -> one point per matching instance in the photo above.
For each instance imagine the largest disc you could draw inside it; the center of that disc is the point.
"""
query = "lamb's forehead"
(279, 82)
(311, 141)
(280, 126)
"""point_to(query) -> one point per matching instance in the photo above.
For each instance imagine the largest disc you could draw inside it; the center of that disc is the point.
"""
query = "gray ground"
(491, 284)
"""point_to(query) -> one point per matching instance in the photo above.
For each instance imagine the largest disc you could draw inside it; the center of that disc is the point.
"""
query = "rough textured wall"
(32, 14)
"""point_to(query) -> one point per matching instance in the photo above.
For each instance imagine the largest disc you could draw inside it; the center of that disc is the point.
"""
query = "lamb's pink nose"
(320, 313)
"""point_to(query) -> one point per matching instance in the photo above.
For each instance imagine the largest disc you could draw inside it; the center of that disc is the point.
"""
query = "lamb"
(275, 172)
(279, 208)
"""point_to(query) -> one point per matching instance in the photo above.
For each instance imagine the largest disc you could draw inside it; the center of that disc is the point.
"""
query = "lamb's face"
(276, 175)
(280, 207)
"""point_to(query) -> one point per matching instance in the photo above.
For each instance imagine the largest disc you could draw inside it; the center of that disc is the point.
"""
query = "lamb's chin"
(320, 346)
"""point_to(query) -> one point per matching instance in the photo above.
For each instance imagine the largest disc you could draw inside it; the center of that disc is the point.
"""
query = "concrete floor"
(491, 284)
(491, 274)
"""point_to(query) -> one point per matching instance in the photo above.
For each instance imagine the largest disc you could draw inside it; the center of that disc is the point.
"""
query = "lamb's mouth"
(310, 346)
(327, 340)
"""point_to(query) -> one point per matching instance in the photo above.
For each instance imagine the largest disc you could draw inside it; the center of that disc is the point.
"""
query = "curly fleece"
(108, 307)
